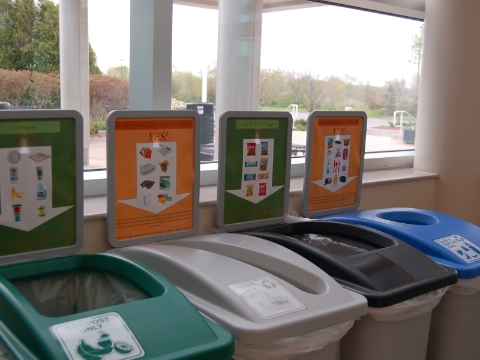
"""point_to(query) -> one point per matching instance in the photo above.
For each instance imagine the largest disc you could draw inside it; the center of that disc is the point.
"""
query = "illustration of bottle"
(328, 167)
(13, 174)
(345, 154)
(41, 192)
(335, 179)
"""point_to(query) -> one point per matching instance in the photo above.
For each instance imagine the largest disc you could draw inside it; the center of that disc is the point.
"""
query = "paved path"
(377, 140)
(386, 141)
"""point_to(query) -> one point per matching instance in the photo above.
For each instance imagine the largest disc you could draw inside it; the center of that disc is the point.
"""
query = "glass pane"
(324, 57)
(29, 55)
(194, 68)
(109, 37)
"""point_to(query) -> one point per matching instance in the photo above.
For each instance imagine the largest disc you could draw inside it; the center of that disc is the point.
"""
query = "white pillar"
(238, 59)
(151, 54)
(74, 67)
(448, 132)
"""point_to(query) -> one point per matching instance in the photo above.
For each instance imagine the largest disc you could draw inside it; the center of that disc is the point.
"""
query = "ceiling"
(278, 5)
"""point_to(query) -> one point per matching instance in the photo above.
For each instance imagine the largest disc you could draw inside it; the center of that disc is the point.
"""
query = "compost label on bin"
(37, 185)
(267, 297)
(154, 176)
(461, 247)
(335, 162)
(105, 336)
(255, 169)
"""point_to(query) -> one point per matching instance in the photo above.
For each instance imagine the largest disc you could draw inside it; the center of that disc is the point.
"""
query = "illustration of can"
(17, 208)
(345, 154)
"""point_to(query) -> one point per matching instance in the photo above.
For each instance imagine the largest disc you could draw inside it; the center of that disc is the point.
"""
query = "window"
(351, 59)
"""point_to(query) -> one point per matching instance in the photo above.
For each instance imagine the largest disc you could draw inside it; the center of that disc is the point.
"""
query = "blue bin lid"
(445, 239)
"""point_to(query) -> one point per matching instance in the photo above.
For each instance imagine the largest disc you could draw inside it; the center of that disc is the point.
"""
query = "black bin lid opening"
(374, 264)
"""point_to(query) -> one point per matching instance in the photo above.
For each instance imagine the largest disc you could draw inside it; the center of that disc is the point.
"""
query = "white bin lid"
(283, 295)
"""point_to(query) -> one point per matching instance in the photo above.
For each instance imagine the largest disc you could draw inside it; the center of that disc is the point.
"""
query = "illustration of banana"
(88, 352)
(14, 193)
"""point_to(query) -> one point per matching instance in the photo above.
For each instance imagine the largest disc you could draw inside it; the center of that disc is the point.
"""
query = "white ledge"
(95, 207)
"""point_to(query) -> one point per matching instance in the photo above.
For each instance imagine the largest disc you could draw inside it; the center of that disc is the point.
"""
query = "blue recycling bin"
(451, 242)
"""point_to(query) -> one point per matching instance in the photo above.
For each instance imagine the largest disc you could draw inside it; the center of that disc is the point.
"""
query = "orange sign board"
(155, 174)
(336, 162)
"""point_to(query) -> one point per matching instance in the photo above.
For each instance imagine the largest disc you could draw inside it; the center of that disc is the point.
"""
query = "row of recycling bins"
(328, 289)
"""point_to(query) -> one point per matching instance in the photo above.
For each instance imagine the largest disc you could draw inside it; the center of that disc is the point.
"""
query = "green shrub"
(300, 124)
(96, 126)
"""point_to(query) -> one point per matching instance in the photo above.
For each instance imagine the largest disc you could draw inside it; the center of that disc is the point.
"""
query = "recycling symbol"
(268, 284)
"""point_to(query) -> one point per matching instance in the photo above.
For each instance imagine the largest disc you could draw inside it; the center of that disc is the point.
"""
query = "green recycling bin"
(96, 313)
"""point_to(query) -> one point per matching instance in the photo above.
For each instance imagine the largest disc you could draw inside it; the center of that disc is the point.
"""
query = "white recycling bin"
(283, 307)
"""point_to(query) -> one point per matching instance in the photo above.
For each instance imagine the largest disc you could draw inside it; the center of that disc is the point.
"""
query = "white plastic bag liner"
(466, 287)
(409, 309)
(329, 245)
(293, 346)
(68, 294)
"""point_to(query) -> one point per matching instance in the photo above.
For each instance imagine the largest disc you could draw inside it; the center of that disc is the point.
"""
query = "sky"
(325, 40)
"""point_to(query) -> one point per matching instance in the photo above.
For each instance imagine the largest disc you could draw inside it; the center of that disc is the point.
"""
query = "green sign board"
(39, 180)
(254, 159)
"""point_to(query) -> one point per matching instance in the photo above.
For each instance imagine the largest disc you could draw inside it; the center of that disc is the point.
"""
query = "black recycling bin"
(401, 284)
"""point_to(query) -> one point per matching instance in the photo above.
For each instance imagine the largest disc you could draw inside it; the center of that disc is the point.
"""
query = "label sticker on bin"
(97, 337)
(461, 247)
(267, 297)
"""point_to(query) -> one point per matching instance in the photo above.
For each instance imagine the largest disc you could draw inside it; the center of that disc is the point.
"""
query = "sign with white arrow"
(153, 158)
(334, 162)
(254, 160)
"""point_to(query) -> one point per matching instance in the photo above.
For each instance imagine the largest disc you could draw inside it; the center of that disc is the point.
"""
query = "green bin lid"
(165, 325)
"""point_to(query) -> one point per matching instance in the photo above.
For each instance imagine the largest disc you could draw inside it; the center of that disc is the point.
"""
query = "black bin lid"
(376, 265)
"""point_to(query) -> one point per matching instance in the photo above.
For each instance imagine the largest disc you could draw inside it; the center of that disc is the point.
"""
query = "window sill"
(95, 207)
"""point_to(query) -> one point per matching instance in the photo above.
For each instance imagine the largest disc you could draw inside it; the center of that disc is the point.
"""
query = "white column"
(74, 67)
(448, 131)
(238, 59)
(151, 54)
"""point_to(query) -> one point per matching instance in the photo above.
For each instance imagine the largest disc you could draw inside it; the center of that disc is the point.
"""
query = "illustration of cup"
(39, 172)
(16, 211)
(146, 200)
(13, 174)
